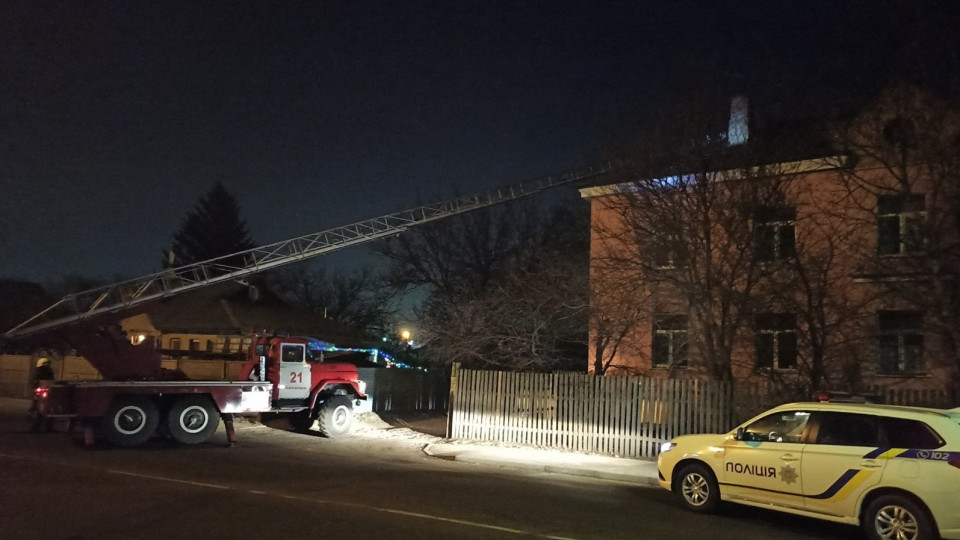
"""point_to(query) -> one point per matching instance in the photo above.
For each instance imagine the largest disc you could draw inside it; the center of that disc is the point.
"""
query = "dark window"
(175, 344)
(776, 341)
(669, 341)
(665, 251)
(900, 342)
(904, 433)
(899, 222)
(194, 344)
(849, 429)
(292, 353)
(774, 233)
(778, 427)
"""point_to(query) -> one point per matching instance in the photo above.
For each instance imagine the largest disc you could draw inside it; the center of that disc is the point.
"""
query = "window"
(899, 220)
(774, 233)
(905, 433)
(848, 429)
(900, 342)
(776, 341)
(665, 251)
(194, 344)
(786, 426)
(669, 341)
(292, 353)
(175, 344)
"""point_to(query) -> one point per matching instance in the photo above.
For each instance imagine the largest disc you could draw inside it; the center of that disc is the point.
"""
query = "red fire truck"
(281, 374)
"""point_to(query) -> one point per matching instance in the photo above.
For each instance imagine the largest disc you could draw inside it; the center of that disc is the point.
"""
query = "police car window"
(905, 433)
(849, 429)
(784, 426)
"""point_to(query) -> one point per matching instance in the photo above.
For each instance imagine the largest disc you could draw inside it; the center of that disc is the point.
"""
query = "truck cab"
(304, 383)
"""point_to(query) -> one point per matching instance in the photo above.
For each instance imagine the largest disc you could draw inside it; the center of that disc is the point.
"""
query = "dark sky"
(115, 117)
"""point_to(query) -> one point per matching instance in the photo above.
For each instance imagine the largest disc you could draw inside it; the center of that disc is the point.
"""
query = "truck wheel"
(335, 417)
(192, 419)
(130, 421)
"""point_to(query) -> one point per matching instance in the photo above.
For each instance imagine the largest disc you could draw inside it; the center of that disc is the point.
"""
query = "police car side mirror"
(739, 435)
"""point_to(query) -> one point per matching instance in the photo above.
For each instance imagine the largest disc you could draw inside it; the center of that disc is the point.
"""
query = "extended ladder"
(126, 294)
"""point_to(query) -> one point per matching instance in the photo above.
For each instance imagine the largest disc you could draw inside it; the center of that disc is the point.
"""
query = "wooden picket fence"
(620, 416)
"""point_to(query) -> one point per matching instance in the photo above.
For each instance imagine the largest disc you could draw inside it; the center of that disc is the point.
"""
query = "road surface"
(280, 484)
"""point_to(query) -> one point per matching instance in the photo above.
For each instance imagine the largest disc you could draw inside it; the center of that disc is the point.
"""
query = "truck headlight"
(667, 446)
(362, 385)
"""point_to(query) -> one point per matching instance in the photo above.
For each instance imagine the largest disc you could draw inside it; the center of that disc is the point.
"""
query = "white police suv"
(893, 470)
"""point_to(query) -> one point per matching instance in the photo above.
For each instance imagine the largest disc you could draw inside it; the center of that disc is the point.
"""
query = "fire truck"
(138, 399)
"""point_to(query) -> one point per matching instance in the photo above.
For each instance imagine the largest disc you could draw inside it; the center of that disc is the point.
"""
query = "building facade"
(833, 269)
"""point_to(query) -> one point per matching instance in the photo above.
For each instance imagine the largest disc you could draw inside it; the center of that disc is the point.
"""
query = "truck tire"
(335, 416)
(130, 421)
(192, 419)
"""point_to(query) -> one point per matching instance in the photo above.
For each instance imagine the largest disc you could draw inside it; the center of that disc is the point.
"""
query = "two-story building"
(817, 257)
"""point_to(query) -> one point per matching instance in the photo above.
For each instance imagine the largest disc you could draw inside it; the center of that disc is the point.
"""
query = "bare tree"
(816, 283)
(906, 186)
(504, 287)
(686, 209)
(618, 304)
(358, 299)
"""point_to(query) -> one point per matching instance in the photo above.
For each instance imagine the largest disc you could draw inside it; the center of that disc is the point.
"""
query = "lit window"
(669, 341)
(899, 222)
(776, 341)
(774, 233)
(900, 342)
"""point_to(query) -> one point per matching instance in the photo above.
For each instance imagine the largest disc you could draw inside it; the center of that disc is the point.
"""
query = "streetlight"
(405, 335)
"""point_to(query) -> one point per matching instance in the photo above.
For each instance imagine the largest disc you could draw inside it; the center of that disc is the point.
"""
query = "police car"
(895, 471)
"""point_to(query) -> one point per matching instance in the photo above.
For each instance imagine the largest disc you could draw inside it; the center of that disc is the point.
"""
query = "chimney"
(738, 131)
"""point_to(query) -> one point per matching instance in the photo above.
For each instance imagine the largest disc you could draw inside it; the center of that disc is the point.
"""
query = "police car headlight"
(667, 446)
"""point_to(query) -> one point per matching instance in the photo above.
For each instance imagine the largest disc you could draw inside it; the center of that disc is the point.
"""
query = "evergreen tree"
(212, 229)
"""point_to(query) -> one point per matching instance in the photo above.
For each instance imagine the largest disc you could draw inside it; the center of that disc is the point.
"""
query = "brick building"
(816, 257)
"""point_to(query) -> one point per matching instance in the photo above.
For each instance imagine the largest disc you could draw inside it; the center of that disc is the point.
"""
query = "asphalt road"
(279, 484)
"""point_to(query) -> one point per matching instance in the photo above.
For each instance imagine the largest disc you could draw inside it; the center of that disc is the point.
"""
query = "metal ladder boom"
(130, 293)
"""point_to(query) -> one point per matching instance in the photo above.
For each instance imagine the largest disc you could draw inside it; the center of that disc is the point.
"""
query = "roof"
(770, 141)
(232, 308)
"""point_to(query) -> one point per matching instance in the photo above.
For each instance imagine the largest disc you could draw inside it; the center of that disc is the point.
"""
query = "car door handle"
(871, 464)
(788, 457)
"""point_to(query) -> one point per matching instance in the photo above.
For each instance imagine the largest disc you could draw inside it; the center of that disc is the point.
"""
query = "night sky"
(115, 117)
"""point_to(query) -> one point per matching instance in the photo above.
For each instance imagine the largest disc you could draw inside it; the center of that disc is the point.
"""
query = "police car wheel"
(897, 517)
(698, 488)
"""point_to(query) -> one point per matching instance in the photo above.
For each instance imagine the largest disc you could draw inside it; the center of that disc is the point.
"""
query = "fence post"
(451, 403)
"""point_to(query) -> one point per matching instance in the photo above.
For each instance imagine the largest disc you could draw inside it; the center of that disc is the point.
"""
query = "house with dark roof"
(217, 322)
